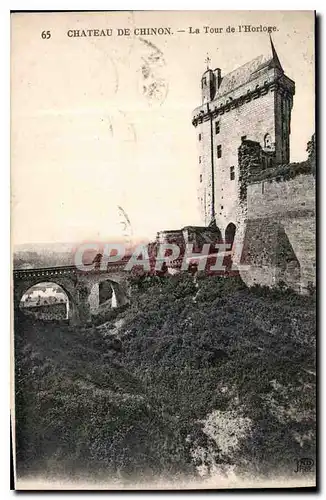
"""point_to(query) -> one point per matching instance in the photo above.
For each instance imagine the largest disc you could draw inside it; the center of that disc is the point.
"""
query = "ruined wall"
(279, 241)
(172, 236)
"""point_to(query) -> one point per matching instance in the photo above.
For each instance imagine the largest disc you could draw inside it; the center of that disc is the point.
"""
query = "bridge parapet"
(48, 272)
(66, 270)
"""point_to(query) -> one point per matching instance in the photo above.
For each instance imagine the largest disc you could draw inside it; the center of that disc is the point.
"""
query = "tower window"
(199, 159)
(219, 151)
(217, 127)
(200, 178)
(267, 141)
(199, 137)
(232, 174)
(222, 207)
(203, 82)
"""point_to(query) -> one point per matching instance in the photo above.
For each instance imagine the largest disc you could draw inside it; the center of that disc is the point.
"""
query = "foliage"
(196, 352)
(311, 149)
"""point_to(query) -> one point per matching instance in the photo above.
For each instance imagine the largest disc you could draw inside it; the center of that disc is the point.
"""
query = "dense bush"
(196, 352)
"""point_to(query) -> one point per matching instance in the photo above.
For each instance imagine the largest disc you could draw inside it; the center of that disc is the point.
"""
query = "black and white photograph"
(163, 240)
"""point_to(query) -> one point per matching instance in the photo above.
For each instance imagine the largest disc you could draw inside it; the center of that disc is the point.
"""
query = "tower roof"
(275, 58)
(248, 71)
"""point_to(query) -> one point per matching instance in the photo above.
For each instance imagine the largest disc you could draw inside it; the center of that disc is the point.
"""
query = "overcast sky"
(86, 136)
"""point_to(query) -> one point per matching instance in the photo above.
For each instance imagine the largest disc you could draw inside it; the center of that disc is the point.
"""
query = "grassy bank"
(209, 377)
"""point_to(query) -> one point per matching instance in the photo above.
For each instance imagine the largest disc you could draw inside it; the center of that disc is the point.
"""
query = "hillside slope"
(210, 377)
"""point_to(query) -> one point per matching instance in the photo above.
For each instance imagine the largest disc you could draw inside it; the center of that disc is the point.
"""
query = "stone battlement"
(238, 98)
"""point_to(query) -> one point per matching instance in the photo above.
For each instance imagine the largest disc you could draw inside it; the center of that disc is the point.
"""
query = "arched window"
(267, 141)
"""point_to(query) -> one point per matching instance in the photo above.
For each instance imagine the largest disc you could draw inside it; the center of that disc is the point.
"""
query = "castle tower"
(252, 102)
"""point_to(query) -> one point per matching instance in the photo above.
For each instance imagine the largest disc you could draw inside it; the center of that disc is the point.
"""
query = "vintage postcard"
(163, 241)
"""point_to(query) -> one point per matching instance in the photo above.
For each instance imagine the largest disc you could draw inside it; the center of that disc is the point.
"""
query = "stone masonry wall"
(252, 119)
(279, 242)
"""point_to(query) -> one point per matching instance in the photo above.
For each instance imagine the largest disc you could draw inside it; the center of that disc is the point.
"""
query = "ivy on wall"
(283, 173)
(250, 160)
(280, 173)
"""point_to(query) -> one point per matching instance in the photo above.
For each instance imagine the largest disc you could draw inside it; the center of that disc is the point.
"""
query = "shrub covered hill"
(197, 377)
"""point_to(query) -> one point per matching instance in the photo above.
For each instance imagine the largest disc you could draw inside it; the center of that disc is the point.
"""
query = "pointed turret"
(275, 62)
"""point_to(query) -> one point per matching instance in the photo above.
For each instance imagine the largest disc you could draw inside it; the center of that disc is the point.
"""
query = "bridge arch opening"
(106, 294)
(101, 296)
(46, 301)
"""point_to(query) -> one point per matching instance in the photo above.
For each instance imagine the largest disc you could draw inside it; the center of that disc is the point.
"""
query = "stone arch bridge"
(77, 284)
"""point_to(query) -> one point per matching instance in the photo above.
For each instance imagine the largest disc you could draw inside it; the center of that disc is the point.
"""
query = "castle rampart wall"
(279, 243)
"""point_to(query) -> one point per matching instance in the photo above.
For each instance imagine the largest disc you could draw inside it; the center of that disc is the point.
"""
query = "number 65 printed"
(46, 34)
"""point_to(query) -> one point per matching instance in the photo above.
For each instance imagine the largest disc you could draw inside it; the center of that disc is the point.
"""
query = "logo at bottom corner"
(305, 465)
